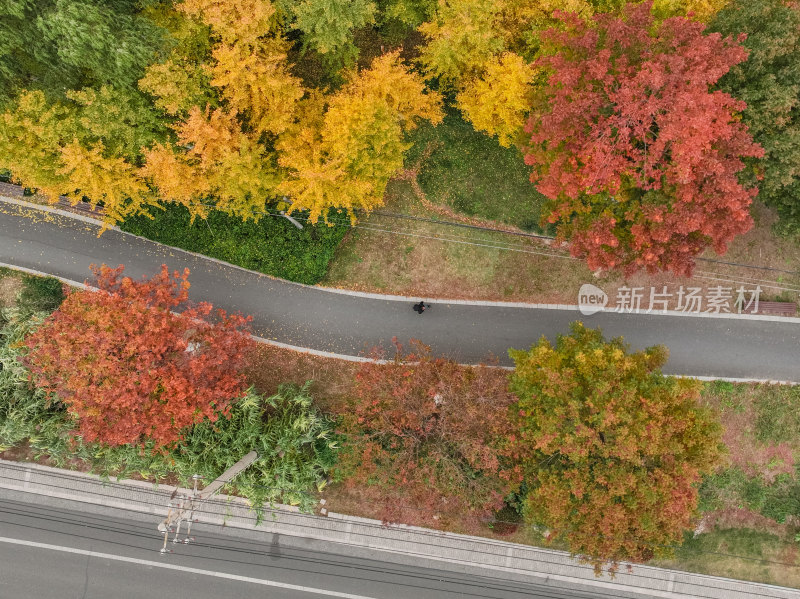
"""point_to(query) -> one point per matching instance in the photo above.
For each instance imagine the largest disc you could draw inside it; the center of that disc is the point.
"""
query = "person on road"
(419, 308)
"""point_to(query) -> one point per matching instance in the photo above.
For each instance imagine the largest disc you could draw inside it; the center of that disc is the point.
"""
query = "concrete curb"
(460, 550)
(399, 298)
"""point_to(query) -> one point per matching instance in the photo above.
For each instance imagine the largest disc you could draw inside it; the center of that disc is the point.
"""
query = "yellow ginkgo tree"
(344, 149)
(214, 159)
(498, 101)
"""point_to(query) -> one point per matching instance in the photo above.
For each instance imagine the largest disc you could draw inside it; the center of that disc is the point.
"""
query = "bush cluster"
(271, 245)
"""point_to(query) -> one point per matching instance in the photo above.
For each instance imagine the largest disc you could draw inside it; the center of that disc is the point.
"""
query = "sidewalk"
(463, 552)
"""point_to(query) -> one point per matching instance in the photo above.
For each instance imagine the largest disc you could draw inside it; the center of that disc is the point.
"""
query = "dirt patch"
(10, 287)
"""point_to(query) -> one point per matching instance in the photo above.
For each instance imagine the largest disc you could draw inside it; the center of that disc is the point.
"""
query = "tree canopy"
(769, 83)
(638, 158)
(129, 368)
(612, 450)
(428, 435)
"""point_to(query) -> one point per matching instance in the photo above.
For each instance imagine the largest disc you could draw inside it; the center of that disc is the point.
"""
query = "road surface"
(316, 318)
(56, 553)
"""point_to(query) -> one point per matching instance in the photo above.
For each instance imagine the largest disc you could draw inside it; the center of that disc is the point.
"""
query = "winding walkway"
(349, 323)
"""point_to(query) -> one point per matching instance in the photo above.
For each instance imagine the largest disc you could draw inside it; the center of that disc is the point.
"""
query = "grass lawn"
(28, 292)
(471, 173)
(425, 259)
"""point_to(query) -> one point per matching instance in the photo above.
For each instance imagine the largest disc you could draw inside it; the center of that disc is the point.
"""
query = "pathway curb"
(460, 550)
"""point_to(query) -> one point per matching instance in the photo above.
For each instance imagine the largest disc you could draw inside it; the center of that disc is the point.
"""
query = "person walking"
(420, 307)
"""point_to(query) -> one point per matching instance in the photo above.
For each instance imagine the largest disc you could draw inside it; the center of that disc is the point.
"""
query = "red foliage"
(637, 157)
(425, 438)
(129, 368)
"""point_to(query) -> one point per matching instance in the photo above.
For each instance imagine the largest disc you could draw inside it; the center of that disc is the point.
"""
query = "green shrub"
(294, 441)
(272, 245)
(41, 294)
(25, 411)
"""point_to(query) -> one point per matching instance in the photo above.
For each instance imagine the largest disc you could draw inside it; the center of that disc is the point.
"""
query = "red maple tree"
(131, 369)
(425, 439)
(638, 158)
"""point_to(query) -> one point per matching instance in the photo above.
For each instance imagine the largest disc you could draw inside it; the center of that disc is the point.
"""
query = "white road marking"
(153, 564)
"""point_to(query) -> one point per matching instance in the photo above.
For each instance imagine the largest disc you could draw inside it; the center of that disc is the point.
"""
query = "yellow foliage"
(404, 93)
(315, 183)
(702, 10)
(219, 160)
(177, 181)
(242, 20)
(30, 143)
(177, 85)
(345, 156)
(256, 82)
(519, 21)
(497, 101)
(111, 180)
(209, 135)
(461, 39)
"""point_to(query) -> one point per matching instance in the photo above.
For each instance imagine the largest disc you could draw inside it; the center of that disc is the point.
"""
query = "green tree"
(769, 82)
(327, 25)
(612, 450)
(58, 45)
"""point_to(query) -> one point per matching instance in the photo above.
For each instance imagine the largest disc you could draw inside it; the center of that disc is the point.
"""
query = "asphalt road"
(56, 553)
(315, 318)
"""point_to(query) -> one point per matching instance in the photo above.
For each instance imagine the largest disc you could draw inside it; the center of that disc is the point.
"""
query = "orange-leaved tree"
(612, 449)
(638, 158)
(129, 368)
(425, 439)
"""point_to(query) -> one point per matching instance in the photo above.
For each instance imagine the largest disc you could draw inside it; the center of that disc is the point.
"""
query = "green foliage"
(41, 294)
(25, 411)
(327, 25)
(58, 45)
(769, 82)
(473, 174)
(122, 119)
(271, 245)
(295, 443)
(777, 499)
(778, 415)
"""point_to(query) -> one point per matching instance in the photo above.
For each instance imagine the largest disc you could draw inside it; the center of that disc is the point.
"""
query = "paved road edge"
(392, 297)
(349, 358)
(461, 550)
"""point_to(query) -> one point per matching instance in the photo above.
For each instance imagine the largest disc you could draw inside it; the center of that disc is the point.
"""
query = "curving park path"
(316, 318)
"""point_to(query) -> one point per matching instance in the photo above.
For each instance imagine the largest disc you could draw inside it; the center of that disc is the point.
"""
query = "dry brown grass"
(420, 263)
